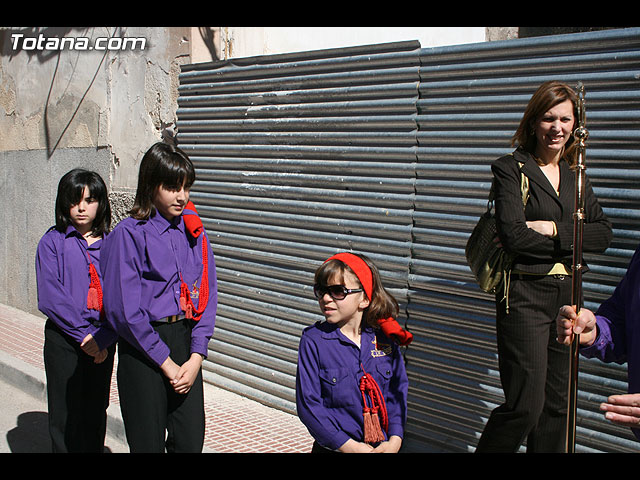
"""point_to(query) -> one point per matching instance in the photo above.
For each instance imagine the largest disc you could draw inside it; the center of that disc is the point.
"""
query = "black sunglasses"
(337, 292)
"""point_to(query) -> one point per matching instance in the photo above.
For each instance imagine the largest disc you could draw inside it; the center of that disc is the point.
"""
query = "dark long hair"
(381, 306)
(70, 191)
(162, 165)
(547, 96)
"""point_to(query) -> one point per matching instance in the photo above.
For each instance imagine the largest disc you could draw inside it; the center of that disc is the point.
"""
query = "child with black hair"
(79, 345)
(161, 298)
(351, 384)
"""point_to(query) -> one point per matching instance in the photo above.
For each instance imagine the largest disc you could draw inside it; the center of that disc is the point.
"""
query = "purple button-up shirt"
(618, 318)
(141, 264)
(62, 276)
(328, 397)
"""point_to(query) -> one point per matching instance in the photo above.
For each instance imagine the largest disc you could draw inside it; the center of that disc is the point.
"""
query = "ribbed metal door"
(385, 150)
(472, 98)
(298, 157)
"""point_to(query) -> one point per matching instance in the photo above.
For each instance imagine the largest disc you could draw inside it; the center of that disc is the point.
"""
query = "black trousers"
(534, 368)
(156, 418)
(317, 448)
(77, 394)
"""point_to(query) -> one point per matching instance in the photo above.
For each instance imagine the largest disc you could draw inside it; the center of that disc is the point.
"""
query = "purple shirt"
(328, 397)
(617, 318)
(62, 277)
(141, 265)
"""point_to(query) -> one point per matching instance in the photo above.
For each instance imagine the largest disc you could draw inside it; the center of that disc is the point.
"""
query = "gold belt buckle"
(172, 318)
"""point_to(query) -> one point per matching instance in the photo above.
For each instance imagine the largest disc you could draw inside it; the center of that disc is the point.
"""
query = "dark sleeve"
(513, 232)
(597, 231)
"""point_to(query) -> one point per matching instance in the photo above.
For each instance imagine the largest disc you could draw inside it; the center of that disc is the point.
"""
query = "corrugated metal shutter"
(386, 150)
(298, 157)
(472, 98)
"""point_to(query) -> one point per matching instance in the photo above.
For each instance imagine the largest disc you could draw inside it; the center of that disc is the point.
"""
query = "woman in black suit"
(534, 368)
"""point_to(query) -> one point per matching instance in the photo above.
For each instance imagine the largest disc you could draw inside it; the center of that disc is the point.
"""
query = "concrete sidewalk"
(230, 418)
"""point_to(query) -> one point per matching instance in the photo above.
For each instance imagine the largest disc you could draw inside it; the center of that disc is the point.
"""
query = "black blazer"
(537, 253)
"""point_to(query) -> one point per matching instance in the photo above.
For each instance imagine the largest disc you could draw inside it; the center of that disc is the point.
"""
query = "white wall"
(251, 41)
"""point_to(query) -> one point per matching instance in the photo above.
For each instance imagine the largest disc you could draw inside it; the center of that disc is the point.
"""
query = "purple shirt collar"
(162, 224)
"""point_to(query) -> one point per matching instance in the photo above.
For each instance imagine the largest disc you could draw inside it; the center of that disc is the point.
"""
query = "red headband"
(359, 267)
(389, 326)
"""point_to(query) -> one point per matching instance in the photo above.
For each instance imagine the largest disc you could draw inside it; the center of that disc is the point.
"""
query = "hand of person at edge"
(623, 409)
(568, 324)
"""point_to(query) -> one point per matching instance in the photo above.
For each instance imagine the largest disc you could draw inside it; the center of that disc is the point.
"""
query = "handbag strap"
(524, 186)
(524, 192)
(524, 189)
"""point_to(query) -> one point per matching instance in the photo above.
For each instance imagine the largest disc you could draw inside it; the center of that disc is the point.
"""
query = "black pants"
(156, 418)
(534, 369)
(317, 448)
(77, 394)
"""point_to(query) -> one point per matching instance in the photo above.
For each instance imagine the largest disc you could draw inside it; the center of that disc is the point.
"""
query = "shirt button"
(334, 380)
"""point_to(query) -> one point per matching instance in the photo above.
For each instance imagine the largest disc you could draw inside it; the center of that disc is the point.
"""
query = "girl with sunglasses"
(161, 298)
(351, 383)
(78, 345)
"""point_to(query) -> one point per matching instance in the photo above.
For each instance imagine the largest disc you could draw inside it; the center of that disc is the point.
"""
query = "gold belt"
(172, 318)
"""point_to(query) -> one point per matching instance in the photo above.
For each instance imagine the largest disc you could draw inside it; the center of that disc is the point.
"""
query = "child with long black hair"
(351, 385)
(79, 345)
(161, 298)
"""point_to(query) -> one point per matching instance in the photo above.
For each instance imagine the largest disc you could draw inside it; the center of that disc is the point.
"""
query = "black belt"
(531, 276)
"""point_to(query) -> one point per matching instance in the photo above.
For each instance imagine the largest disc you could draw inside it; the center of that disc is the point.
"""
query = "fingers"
(183, 381)
(543, 227)
(580, 323)
(565, 324)
(569, 324)
(181, 377)
(86, 340)
(90, 346)
(625, 415)
(182, 389)
(101, 356)
(181, 386)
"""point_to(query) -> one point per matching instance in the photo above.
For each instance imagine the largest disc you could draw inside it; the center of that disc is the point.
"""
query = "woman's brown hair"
(547, 96)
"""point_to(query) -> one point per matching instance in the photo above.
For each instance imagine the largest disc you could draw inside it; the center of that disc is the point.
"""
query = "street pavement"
(23, 423)
(234, 423)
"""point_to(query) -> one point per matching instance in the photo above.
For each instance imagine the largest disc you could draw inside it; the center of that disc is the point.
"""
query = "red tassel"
(92, 299)
(94, 296)
(186, 305)
(183, 297)
(372, 430)
(372, 424)
(377, 429)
